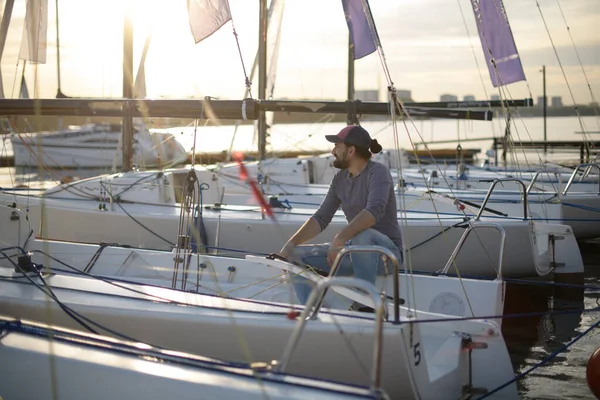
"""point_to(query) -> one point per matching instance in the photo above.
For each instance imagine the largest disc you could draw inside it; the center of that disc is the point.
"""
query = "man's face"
(340, 152)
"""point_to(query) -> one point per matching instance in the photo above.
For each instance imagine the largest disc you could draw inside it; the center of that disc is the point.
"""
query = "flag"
(498, 43)
(35, 29)
(245, 177)
(363, 35)
(207, 16)
(24, 92)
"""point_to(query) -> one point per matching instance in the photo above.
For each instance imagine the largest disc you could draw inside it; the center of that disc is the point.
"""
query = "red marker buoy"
(593, 373)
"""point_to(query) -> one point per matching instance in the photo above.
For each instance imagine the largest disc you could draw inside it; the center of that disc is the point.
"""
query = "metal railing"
(463, 238)
(572, 178)
(369, 249)
(314, 301)
(491, 189)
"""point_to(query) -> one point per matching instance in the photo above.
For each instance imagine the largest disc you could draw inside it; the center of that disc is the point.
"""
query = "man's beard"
(341, 164)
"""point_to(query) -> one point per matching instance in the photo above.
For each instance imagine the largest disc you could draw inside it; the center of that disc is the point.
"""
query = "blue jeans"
(362, 265)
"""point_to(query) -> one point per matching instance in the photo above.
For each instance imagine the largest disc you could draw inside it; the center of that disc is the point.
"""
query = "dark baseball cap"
(352, 134)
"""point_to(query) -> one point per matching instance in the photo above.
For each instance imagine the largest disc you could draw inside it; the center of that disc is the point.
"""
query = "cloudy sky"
(431, 47)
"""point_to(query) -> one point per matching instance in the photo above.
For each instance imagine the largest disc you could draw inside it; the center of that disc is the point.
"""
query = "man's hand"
(287, 250)
(334, 249)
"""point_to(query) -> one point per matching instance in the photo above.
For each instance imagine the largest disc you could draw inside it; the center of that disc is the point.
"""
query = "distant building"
(494, 97)
(540, 101)
(404, 95)
(468, 97)
(556, 101)
(366, 95)
(448, 97)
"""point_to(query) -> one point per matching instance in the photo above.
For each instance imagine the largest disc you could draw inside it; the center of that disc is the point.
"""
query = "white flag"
(35, 29)
(207, 16)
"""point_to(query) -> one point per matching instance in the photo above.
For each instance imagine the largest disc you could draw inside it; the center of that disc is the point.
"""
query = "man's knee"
(365, 237)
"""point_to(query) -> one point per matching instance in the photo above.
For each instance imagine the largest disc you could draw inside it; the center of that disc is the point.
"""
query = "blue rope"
(521, 315)
(544, 361)
(583, 208)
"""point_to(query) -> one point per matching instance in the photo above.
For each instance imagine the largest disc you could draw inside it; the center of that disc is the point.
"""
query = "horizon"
(434, 55)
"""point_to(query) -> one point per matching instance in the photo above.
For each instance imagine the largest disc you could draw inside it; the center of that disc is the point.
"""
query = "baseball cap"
(352, 134)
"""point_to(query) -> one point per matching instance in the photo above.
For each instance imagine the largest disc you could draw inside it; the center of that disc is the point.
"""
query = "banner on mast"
(498, 44)
(35, 30)
(207, 16)
(361, 26)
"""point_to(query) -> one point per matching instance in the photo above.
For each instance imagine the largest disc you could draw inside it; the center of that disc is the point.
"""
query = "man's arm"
(309, 230)
(315, 224)
(378, 187)
(364, 220)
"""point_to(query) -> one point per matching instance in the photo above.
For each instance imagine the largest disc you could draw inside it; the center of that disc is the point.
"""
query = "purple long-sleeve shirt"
(371, 190)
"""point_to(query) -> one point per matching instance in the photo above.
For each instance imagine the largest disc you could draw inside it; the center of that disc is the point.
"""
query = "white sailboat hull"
(75, 366)
(256, 278)
(424, 360)
(245, 230)
(92, 146)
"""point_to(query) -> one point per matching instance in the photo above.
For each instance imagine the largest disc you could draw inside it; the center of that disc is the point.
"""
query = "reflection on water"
(557, 319)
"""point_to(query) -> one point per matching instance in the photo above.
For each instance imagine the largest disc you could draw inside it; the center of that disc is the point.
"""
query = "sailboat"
(262, 278)
(422, 351)
(78, 365)
(143, 209)
(92, 145)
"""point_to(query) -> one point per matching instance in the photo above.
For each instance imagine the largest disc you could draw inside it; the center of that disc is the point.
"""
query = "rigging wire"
(247, 82)
(594, 102)
(588, 142)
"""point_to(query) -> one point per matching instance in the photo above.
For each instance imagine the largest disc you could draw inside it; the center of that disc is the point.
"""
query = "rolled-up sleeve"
(379, 183)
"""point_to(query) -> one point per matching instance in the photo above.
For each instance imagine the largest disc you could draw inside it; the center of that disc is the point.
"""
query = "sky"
(430, 47)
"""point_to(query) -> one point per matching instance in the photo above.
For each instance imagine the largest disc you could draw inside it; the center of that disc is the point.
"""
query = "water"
(558, 311)
(558, 319)
(310, 137)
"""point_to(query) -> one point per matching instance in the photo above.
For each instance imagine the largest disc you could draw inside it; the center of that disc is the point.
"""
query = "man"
(365, 191)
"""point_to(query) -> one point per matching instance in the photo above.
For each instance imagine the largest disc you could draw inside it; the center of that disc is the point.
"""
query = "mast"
(127, 87)
(262, 78)
(59, 93)
(8, 7)
(350, 71)
(545, 103)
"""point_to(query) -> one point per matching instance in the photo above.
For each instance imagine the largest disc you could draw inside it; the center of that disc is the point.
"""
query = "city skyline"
(430, 46)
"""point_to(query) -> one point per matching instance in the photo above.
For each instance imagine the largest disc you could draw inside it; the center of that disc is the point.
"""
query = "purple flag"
(363, 38)
(498, 44)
